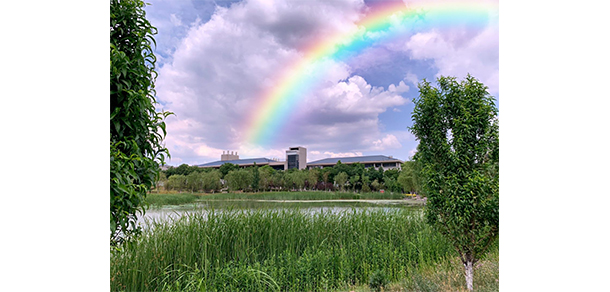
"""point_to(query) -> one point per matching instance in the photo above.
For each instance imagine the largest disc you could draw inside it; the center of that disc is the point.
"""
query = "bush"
(378, 280)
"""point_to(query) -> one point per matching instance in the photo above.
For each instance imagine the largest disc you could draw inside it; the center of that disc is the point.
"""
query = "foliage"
(457, 128)
(194, 182)
(313, 176)
(170, 199)
(409, 178)
(136, 128)
(211, 181)
(378, 280)
(266, 177)
(341, 179)
(225, 168)
(177, 182)
(183, 169)
(296, 179)
(375, 185)
(240, 179)
(256, 178)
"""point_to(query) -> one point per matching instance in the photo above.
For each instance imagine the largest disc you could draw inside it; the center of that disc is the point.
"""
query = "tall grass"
(273, 250)
(170, 199)
(306, 195)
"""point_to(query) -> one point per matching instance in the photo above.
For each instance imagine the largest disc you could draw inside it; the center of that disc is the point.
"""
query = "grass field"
(289, 250)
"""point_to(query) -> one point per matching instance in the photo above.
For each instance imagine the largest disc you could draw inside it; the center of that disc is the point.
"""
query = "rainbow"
(384, 22)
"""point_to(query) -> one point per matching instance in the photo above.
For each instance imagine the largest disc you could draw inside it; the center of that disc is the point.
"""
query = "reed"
(154, 199)
(304, 195)
(281, 249)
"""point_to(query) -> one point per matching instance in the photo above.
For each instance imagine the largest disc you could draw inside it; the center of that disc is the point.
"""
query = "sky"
(245, 76)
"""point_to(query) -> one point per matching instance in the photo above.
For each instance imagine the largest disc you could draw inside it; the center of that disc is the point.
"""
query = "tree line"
(340, 177)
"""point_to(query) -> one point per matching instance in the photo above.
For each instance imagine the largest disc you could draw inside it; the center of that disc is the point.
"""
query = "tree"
(211, 180)
(226, 167)
(239, 179)
(375, 185)
(136, 128)
(408, 177)
(266, 177)
(353, 181)
(365, 184)
(341, 179)
(194, 181)
(256, 178)
(161, 182)
(177, 182)
(457, 128)
(312, 177)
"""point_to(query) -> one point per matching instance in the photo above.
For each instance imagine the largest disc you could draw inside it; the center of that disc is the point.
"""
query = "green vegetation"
(273, 250)
(161, 199)
(171, 199)
(347, 178)
(457, 128)
(311, 195)
(136, 129)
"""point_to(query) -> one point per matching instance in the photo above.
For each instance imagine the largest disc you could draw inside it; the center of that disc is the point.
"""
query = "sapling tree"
(457, 128)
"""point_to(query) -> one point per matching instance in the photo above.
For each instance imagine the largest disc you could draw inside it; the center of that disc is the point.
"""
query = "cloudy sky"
(218, 60)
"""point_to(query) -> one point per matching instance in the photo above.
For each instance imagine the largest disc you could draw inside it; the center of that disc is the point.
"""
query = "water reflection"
(170, 213)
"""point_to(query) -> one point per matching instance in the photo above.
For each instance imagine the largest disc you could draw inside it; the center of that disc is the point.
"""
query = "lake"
(167, 213)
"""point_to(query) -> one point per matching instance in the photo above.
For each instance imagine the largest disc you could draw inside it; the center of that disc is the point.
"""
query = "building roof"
(361, 159)
(248, 161)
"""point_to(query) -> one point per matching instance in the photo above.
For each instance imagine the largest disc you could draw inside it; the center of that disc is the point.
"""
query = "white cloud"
(387, 142)
(460, 51)
(411, 77)
(215, 75)
(219, 67)
(176, 21)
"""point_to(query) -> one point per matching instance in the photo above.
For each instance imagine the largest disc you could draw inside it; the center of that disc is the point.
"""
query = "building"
(376, 161)
(275, 164)
(296, 157)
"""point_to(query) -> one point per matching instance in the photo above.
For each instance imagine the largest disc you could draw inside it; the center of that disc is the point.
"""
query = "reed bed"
(277, 250)
(304, 195)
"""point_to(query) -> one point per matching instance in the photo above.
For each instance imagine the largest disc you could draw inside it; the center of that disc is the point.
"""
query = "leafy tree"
(457, 128)
(354, 181)
(177, 182)
(211, 180)
(408, 177)
(183, 169)
(136, 128)
(226, 168)
(391, 184)
(255, 178)
(297, 178)
(161, 182)
(365, 184)
(240, 179)
(341, 179)
(312, 178)
(266, 177)
(375, 185)
(392, 173)
(194, 181)
(278, 180)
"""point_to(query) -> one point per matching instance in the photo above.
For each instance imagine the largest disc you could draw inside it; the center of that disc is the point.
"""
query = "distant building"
(376, 161)
(275, 164)
(296, 157)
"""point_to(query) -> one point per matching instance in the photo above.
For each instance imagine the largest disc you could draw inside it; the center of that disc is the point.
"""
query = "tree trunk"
(469, 273)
